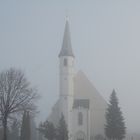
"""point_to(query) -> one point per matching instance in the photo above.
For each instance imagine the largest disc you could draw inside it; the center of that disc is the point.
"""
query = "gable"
(83, 89)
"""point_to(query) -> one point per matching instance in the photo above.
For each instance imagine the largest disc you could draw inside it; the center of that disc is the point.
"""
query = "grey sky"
(105, 38)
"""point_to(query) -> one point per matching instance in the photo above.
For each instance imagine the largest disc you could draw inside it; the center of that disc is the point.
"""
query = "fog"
(105, 40)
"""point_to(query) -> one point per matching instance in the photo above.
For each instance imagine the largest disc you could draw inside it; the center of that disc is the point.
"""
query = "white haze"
(105, 38)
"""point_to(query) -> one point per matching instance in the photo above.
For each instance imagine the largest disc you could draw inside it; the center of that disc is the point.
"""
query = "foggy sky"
(105, 39)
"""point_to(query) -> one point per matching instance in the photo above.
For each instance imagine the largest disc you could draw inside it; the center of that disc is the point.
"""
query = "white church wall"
(85, 90)
(85, 126)
(97, 123)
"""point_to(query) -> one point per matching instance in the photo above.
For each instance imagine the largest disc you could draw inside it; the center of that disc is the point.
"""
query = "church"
(81, 104)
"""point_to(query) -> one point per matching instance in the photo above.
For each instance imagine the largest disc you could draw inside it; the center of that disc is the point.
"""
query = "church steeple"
(66, 49)
(66, 75)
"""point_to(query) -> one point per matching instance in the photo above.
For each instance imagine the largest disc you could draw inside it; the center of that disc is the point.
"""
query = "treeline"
(24, 130)
(16, 95)
(50, 132)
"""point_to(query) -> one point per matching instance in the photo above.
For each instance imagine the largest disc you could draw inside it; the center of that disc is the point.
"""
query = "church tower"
(66, 69)
(81, 104)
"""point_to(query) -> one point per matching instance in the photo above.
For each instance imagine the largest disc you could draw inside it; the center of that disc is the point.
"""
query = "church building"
(79, 101)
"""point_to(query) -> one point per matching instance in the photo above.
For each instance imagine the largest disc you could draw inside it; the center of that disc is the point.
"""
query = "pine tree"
(28, 127)
(40, 131)
(33, 129)
(115, 126)
(48, 130)
(14, 134)
(8, 134)
(25, 128)
(62, 131)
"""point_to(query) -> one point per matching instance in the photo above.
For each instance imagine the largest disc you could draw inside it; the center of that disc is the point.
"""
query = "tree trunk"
(5, 128)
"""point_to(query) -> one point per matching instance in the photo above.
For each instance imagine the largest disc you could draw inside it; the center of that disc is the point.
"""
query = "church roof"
(81, 103)
(84, 89)
(66, 49)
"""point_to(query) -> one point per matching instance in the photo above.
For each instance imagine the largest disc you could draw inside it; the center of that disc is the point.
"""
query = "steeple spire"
(66, 49)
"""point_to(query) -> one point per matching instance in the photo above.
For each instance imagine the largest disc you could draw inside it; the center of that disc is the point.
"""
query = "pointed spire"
(66, 49)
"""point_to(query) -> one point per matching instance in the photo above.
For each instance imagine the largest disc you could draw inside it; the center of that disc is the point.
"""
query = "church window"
(80, 118)
(65, 62)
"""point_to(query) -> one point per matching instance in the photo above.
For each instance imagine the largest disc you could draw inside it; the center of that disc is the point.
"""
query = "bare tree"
(16, 95)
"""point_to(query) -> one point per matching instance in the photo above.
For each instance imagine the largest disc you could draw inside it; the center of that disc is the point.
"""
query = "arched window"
(65, 62)
(80, 118)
